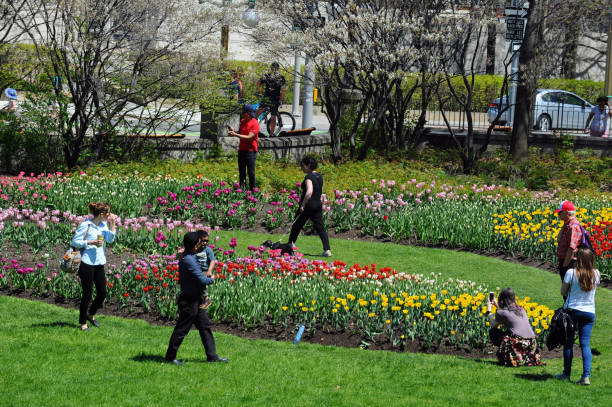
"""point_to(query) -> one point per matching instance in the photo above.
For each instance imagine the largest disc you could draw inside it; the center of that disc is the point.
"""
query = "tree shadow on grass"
(143, 357)
(56, 324)
(538, 377)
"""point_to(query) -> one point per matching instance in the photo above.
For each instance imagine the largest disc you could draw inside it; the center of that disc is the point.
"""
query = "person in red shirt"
(569, 238)
(248, 134)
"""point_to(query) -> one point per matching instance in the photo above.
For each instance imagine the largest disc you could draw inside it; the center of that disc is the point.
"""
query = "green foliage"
(29, 141)
(44, 338)
(19, 67)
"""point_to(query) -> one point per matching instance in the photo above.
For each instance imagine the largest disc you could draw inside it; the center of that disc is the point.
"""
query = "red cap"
(565, 206)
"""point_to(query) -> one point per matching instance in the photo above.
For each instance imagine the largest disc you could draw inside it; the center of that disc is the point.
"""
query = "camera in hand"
(491, 296)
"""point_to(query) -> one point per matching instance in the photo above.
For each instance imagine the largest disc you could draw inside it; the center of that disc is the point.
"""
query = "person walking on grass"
(569, 237)
(579, 287)
(311, 207)
(192, 281)
(90, 238)
(248, 134)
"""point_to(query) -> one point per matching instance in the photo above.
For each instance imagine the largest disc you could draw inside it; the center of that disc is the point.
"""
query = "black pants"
(189, 314)
(563, 269)
(91, 275)
(316, 216)
(246, 164)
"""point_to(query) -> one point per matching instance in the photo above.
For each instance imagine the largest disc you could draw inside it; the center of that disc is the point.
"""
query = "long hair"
(585, 270)
(507, 301)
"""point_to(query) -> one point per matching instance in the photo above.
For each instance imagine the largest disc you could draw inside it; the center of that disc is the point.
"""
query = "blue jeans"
(584, 322)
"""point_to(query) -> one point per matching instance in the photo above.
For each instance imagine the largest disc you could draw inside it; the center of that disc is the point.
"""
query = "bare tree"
(127, 65)
(10, 32)
(464, 31)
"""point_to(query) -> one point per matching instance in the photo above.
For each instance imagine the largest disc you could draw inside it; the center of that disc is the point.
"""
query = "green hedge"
(487, 87)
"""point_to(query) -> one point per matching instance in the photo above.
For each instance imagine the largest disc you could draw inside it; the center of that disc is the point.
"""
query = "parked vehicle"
(554, 109)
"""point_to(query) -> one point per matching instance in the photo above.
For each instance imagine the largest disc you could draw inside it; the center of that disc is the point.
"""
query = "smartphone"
(491, 296)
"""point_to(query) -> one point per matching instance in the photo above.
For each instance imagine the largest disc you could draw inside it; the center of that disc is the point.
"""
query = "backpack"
(586, 240)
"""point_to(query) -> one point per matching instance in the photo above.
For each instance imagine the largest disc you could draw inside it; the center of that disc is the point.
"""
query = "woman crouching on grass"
(518, 345)
(89, 238)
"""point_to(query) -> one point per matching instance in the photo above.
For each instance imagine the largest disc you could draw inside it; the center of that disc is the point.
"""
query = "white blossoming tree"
(376, 47)
(119, 66)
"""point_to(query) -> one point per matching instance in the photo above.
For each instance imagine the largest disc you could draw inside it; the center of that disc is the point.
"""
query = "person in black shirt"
(274, 92)
(311, 206)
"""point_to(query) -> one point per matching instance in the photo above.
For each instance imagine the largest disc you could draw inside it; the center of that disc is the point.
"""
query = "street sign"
(515, 28)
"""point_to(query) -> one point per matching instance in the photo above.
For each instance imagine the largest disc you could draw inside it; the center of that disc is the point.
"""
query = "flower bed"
(266, 288)
(475, 217)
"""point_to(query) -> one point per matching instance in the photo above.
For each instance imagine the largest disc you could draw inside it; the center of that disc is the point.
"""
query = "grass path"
(45, 361)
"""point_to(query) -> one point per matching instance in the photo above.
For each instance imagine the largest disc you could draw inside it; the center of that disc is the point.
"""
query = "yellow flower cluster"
(435, 305)
(542, 225)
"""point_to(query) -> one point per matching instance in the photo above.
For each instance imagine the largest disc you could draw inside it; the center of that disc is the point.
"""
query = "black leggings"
(316, 216)
(91, 275)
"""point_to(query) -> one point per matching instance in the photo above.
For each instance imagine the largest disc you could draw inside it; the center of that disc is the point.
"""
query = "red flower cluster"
(601, 238)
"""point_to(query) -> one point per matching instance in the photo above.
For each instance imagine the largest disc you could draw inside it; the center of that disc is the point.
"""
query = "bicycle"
(284, 120)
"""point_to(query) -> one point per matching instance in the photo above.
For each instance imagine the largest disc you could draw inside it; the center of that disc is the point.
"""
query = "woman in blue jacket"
(90, 238)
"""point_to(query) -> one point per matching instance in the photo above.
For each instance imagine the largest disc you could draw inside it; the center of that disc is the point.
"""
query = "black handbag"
(562, 328)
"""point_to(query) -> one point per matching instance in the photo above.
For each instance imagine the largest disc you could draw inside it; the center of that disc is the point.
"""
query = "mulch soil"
(321, 335)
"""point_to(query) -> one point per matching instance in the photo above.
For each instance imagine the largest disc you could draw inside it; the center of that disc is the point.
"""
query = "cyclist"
(274, 85)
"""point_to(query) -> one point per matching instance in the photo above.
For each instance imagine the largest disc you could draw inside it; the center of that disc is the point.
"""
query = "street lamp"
(251, 16)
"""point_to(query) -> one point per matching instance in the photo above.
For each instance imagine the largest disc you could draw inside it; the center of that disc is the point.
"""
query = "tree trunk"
(528, 77)
(570, 49)
(491, 41)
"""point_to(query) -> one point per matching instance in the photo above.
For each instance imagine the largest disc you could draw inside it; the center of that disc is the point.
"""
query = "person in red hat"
(569, 238)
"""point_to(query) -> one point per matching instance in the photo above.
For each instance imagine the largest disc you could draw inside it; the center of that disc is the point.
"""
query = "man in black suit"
(192, 281)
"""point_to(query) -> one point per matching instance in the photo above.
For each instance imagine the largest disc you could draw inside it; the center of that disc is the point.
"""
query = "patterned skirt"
(518, 351)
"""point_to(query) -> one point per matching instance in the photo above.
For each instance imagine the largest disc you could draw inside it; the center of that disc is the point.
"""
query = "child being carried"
(206, 259)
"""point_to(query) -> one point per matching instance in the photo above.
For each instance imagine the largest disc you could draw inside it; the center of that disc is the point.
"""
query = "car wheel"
(544, 123)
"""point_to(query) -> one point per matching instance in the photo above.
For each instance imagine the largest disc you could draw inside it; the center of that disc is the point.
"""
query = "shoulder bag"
(72, 258)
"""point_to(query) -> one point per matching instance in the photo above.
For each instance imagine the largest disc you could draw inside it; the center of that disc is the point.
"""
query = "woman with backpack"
(579, 285)
(518, 345)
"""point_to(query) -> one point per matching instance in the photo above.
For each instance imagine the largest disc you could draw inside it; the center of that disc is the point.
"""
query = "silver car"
(554, 109)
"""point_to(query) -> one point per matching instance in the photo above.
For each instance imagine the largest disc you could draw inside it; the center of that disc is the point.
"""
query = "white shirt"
(600, 119)
(577, 298)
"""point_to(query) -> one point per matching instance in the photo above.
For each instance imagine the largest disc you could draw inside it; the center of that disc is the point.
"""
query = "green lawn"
(46, 361)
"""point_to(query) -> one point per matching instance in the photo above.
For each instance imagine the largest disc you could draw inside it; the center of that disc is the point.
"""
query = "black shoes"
(218, 359)
(175, 362)
(93, 321)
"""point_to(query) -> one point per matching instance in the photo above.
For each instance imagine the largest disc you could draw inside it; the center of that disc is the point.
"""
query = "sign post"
(515, 15)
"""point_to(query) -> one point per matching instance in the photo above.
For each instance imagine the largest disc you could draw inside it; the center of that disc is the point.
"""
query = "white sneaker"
(585, 381)
(326, 253)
